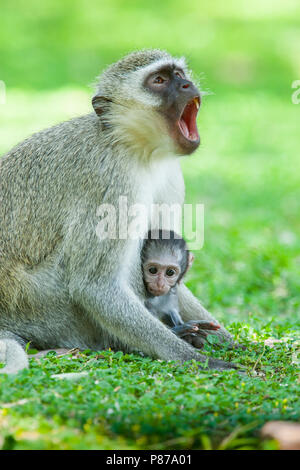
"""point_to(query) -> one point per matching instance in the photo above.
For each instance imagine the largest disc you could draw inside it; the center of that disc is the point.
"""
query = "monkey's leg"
(191, 309)
(176, 318)
(12, 353)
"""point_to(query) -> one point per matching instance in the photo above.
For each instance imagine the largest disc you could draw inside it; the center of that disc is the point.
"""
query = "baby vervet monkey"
(165, 261)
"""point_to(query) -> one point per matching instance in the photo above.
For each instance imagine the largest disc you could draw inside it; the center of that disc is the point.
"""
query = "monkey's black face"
(180, 104)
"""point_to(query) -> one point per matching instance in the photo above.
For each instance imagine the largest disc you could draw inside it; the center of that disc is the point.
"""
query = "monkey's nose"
(158, 291)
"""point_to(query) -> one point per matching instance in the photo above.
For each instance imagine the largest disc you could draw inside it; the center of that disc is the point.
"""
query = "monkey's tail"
(13, 356)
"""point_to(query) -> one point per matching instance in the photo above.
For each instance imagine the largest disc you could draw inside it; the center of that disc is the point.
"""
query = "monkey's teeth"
(184, 128)
(196, 101)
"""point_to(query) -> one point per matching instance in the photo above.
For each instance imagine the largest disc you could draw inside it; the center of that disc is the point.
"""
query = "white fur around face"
(143, 129)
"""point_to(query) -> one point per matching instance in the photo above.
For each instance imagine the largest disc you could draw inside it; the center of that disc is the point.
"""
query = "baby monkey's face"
(159, 277)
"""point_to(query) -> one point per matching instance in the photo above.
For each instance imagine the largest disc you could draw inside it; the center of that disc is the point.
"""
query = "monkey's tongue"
(187, 121)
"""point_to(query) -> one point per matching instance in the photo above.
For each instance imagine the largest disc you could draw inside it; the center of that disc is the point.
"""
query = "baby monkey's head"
(165, 260)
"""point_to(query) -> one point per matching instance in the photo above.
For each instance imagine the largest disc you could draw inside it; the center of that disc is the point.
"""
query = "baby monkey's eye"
(153, 270)
(170, 272)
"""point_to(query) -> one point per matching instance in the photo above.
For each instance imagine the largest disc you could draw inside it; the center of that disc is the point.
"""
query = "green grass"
(132, 402)
(246, 173)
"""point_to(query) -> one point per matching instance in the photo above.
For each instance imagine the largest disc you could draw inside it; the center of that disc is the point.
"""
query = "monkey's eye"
(153, 270)
(170, 272)
(158, 80)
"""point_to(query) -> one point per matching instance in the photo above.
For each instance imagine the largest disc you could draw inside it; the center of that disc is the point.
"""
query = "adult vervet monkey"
(60, 286)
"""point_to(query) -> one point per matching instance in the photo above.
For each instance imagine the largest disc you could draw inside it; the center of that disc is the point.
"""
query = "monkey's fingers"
(195, 340)
(186, 335)
(185, 329)
(204, 325)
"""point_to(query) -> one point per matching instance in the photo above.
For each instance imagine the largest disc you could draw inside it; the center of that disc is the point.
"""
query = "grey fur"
(165, 307)
(60, 286)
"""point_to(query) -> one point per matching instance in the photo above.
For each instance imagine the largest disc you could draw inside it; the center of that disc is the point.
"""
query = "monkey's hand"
(185, 329)
(195, 332)
(194, 328)
(201, 329)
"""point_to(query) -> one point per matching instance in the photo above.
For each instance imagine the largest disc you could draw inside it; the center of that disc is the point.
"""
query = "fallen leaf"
(286, 433)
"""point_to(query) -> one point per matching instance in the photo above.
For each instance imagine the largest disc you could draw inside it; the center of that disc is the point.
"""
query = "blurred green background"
(246, 172)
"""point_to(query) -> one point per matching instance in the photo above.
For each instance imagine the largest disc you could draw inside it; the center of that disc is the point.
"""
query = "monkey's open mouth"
(187, 121)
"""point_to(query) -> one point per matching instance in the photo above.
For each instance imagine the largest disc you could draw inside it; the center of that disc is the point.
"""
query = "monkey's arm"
(191, 309)
(120, 312)
(100, 274)
(165, 308)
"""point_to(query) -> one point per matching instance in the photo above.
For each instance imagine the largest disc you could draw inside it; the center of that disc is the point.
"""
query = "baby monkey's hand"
(195, 332)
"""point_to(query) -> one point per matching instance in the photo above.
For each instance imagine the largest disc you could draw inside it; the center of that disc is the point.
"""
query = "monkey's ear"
(100, 104)
(190, 260)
